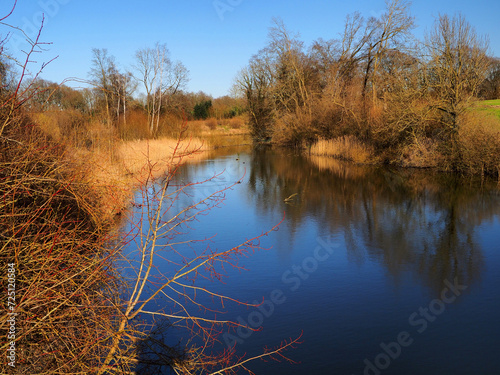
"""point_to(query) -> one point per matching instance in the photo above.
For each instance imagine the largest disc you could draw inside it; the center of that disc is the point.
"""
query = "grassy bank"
(491, 107)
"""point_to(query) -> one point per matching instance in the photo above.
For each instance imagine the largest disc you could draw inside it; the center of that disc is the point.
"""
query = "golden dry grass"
(346, 147)
(479, 144)
(122, 171)
(213, 127)
(135, 155)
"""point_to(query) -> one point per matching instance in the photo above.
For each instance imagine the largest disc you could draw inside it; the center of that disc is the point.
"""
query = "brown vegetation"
(135, 155)
(68, 162)
(346, 147)
(55, 232)
(54, 228)
(408, 100)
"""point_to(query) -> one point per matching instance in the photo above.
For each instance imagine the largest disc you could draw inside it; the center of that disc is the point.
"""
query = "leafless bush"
(135, 127)
(54, 231)
(421, 153)
(211, 123)
(236, 123)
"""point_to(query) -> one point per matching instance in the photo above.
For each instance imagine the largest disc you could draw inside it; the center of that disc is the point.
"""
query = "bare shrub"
(170, 125)
(236, 123)
(421, 153)
(67, 126)
(54, 229)
(135, 127)
(197, 127)
(48, 125)
(294, 130)
(211, 123)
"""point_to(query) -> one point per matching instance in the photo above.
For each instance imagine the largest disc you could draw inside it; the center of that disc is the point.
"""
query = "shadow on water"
(405, 219)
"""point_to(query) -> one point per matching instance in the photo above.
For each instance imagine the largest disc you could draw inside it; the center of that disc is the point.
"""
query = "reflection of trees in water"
(409, 220)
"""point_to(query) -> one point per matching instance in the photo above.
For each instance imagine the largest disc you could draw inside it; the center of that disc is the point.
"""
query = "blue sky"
(213, 45)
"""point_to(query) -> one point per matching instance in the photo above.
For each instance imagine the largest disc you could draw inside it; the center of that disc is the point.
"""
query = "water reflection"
(392, 223)
(405, 219)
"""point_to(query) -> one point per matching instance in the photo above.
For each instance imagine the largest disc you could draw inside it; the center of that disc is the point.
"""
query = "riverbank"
(60, 201)
(130, 163)
(472, 149)
(118, 174)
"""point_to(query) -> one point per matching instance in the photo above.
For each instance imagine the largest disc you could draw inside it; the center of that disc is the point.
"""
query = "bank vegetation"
(70, 159)
(82, 286)
(378, 91)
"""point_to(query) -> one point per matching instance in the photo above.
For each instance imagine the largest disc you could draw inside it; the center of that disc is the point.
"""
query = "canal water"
(377, 270)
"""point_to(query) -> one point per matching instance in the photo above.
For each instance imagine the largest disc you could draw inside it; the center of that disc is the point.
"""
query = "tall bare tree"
(395, 28)
(389, 33)
(161, 79)
(103, 68)
(123, 87)
(255, 83)
(291, 89)
(458, 65)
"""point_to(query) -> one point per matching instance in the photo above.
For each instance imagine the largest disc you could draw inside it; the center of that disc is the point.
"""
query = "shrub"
(211, 123)
(135, 127)
(236, 123)
(54, 230)
(421, 153)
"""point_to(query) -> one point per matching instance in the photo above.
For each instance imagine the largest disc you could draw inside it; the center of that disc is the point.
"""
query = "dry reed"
(135, 155)
(345, 147)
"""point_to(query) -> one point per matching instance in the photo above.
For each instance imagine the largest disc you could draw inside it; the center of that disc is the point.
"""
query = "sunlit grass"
(346, 147)
(491, 107)
(132, 160)
(135, 155)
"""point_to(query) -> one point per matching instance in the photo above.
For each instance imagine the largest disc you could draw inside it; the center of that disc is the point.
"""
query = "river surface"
(379, 271)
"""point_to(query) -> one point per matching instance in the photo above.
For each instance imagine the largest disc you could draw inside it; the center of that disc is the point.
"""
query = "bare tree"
(490, 88)
(290, 90)
(389, 33)
(161, 79)
(458, 65)
(255, 83)
(101, 73)
(123, 87)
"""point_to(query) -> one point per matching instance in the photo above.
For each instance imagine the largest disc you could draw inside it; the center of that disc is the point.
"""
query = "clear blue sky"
(213, 45)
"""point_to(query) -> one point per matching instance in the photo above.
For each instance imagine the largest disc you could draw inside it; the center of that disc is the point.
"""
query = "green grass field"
(491, 107)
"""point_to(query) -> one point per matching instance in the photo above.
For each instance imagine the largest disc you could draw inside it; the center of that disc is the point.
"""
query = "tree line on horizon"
(147, 101)
(408, 100)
